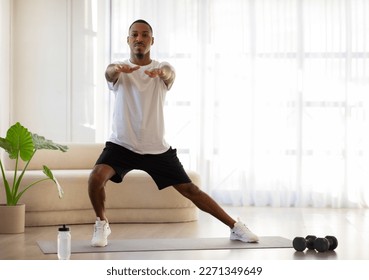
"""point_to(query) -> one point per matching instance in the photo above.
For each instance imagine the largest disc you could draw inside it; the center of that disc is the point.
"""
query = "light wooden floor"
(350, 226)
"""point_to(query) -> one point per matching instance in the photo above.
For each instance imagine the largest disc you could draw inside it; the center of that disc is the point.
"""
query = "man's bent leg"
(96, 190)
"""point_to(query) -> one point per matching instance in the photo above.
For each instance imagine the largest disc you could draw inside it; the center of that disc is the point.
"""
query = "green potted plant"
(21, 145)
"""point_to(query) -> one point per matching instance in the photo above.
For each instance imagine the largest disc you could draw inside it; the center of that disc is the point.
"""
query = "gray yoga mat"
(170, 244)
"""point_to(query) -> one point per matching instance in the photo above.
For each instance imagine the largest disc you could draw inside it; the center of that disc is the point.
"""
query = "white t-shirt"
(138, 119)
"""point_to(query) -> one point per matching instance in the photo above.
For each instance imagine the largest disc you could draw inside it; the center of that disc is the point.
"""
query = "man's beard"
(139, 55)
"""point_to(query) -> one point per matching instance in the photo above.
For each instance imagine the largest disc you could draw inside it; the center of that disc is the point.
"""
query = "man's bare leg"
(239, 231)
(96, 188)
(204, 202)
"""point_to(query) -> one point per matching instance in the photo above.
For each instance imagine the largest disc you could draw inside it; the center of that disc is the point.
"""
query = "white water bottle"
(64, 243)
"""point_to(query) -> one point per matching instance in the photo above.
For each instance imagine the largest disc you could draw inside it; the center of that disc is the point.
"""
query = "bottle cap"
(64, 228)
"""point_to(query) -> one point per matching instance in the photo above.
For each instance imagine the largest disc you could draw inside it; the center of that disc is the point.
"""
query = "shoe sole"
(244, 240)
(99, 245)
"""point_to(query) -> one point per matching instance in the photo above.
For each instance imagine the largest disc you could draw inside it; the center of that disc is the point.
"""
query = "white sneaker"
(101, 233)
(241, 232)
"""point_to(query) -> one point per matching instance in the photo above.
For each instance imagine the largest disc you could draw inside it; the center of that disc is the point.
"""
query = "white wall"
(58, 61)
(40, 61)
(5, 19)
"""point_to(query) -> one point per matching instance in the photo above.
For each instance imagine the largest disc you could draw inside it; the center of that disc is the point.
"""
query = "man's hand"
(164, 72)
(113, 70)
(124, 68)
(153, 73)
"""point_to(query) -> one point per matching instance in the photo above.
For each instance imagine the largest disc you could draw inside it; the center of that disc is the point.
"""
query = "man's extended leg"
(205, 203)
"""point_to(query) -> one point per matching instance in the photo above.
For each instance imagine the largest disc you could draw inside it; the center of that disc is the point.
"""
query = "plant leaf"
(5, 144)
(41, 143)
(20, 142)
(50, 175)
(6, 184)
(48, 172)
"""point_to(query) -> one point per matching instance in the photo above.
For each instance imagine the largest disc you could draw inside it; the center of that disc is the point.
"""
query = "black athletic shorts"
(165, 169)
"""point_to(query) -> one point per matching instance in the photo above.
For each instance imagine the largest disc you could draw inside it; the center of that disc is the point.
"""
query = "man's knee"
(99, 175)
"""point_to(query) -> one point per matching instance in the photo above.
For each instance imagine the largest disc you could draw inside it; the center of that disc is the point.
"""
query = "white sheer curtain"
(271, 101)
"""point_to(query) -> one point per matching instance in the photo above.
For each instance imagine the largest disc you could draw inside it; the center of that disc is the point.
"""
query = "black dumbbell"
(301, 243)
(328, 243)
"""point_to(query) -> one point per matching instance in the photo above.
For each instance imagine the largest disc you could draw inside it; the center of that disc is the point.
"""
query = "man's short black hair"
(141, 21)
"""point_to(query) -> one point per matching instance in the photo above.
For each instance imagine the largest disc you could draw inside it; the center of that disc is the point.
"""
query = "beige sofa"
(135, 200)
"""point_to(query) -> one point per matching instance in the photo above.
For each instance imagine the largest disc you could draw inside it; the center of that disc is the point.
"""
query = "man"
(137, 140)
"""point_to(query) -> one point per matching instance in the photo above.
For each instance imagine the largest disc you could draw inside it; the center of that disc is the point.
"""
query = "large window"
(271, 99)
